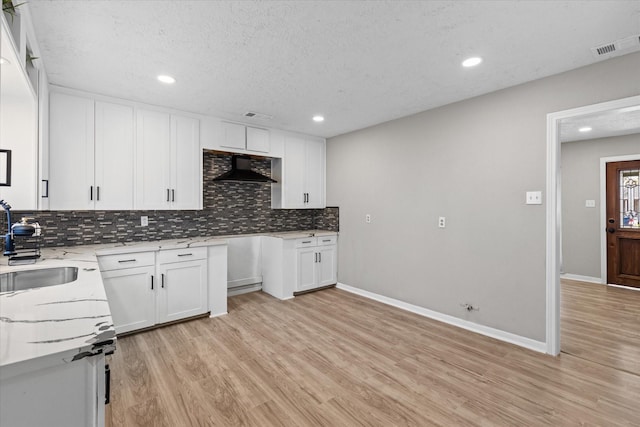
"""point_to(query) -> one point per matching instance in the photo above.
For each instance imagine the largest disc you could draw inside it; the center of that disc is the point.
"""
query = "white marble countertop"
(56, 319)
(74, 318)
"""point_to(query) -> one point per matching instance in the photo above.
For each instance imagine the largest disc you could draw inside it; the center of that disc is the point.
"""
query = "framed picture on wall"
(5, 168)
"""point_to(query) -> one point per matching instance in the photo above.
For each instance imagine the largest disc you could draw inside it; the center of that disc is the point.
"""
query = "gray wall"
(471, 162)
(581, 226)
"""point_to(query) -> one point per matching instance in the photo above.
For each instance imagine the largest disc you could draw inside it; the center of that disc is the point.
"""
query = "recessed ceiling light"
(585, 129)
(471, 62)
(166, 79)
(318, 119)
(4, 61)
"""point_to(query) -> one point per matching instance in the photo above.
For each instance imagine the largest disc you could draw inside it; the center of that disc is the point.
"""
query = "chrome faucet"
(9, 245)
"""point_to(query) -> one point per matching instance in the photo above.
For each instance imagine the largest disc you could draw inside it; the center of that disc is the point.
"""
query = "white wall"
(582, 226)
(471, 162)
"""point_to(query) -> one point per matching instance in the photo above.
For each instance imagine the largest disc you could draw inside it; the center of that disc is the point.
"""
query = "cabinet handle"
(45, 192)
(307, 241)
(307, 197)
(167, 194)
(98, 193)
(162, 279)
(185, 254)
(315, 257)
(326, 240)
(127, 260)
(91, 193)
(152, 282)
(319, 256)
(107, 384)
(173, 195)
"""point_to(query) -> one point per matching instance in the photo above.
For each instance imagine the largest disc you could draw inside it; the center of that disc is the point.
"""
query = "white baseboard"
(239, 290)
(212, 315)
(518, 340)
(580, 278)
(243, 282)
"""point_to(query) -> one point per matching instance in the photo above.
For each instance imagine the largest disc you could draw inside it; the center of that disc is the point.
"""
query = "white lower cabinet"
(144, 289)
(316, 263)
(297, 265)
(54, 391)
(131, 296)
(183, 290)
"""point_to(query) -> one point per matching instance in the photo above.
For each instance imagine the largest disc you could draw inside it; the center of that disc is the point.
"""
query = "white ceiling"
(621, 121)
(357, 63)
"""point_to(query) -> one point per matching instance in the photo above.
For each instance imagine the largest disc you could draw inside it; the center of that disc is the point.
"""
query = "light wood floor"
(331, 358)
(602, 324)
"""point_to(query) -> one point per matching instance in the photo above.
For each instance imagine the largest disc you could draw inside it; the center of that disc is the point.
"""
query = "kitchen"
(225, 228)
(125, 196)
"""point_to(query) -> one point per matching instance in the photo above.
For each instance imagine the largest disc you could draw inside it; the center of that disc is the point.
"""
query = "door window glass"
(629, 198)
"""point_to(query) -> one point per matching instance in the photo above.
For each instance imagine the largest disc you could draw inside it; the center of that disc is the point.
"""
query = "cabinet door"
(114, 153)
(314, 173)
(327, 271)
(294, 173)
(187, 163)
(306, 275)
(132, 294)
(71, 155)
(258, 140)
(153, 165)
(183, 290)
(233, 136)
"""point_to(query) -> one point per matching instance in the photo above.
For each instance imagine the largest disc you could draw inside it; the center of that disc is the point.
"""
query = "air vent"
(603, 50)
(617, 47)
(254, 115)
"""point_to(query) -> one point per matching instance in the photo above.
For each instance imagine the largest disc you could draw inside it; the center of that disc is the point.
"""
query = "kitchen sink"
(37, 278)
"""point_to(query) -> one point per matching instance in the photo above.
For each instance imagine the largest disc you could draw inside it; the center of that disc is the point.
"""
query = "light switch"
(590, 203)
(534, 197)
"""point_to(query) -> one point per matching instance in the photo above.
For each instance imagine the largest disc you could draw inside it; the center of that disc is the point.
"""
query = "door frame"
(603, 208)
(553, 224)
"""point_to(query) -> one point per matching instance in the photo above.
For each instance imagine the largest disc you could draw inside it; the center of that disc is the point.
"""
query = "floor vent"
(617, 48)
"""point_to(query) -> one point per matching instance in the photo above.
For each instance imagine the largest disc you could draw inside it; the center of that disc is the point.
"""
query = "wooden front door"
(623, 223)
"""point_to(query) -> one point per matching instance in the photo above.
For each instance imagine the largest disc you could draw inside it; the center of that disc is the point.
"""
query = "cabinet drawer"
(179, 255)
(327, 240)
(306, 242)
(117, 262)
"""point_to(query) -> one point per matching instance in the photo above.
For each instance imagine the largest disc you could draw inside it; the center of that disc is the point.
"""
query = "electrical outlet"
(534, 197)
(144, 221)
(442, 222)
(367, 219)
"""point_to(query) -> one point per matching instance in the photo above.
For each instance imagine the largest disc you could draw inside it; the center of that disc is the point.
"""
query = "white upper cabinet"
(153, 165)
(187, 163)
(258, 140)
(300, 174)
(168, 162)
(114, 151)
(71, 155)
(91, 154)
(236, 138)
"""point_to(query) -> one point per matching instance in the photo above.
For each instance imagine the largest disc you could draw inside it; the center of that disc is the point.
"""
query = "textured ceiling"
(621, 121)
(357, 63)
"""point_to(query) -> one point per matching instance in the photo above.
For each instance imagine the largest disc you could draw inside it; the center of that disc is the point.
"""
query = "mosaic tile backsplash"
(229, 208)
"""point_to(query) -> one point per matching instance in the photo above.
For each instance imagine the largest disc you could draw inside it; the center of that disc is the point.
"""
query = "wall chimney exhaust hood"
(241, 172)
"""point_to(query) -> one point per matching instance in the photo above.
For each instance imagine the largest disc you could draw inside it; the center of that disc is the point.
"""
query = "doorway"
(554, 231)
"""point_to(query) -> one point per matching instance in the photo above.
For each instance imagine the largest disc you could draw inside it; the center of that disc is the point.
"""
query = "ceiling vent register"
(617, 47)
(254, 115)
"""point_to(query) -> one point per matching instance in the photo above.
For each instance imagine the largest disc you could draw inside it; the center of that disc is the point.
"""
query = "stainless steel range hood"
(241, 172)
